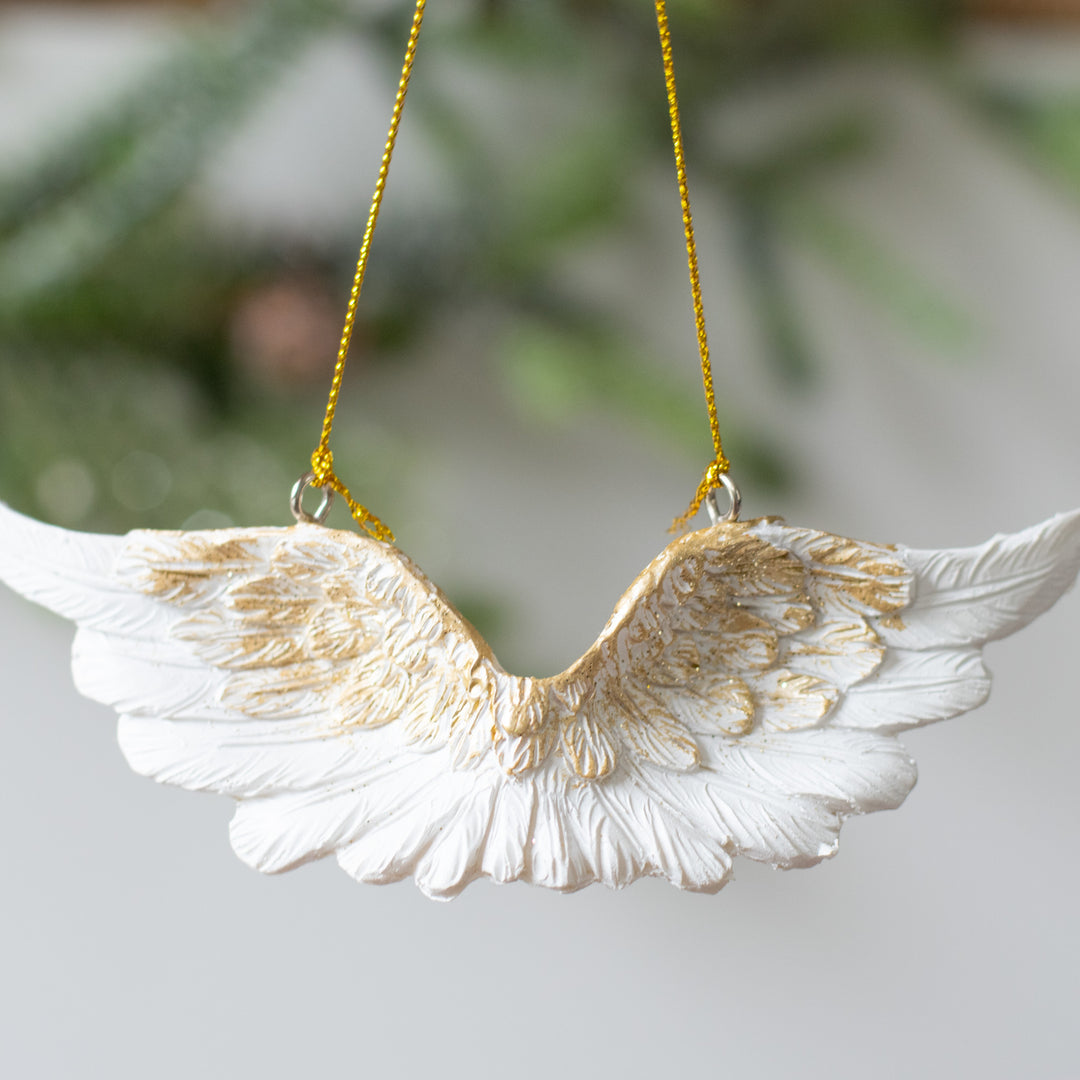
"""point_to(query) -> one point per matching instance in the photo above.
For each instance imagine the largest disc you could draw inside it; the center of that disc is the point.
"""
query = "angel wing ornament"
(743, 699)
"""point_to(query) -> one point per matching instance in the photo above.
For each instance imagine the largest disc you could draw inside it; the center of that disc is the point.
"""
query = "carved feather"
(742, 698)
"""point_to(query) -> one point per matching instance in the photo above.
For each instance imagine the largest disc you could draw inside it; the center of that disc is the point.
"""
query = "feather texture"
(742, 699)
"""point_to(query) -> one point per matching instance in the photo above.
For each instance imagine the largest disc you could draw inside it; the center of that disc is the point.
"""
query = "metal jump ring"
(736, 502)
(297, 506)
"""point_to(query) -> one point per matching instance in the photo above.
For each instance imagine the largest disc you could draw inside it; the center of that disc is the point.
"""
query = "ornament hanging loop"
(712, 504)
(716, 474)
(322, 460)
(296, 501)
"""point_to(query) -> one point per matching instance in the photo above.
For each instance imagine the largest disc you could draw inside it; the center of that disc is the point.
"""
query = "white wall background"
(941, 942)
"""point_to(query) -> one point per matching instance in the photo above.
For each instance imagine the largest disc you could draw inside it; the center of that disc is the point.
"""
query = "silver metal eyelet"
(713, 506)
(296, 503)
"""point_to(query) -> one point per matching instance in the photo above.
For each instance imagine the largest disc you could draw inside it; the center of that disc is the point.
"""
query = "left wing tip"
(55, 567)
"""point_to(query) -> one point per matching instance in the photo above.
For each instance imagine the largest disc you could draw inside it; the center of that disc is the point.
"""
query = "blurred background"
(887, 196)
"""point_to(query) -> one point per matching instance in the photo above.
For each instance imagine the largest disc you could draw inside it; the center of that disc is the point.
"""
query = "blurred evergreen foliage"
(1046, 125)
(126, 315)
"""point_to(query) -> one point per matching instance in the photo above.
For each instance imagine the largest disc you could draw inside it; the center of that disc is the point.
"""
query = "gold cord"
(720, 464)
(322, 460)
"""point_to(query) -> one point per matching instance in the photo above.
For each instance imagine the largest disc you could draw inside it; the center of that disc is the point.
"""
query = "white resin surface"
(742, 700)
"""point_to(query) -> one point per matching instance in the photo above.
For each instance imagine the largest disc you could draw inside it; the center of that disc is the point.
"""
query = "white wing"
(744, 696)
(322, 681)
(315, 676)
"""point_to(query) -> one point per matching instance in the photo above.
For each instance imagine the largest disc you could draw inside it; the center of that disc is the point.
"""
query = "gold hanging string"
(720, 464)
(322, 459)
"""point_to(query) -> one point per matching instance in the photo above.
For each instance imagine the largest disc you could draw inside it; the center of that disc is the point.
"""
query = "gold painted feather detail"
(742, 699)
